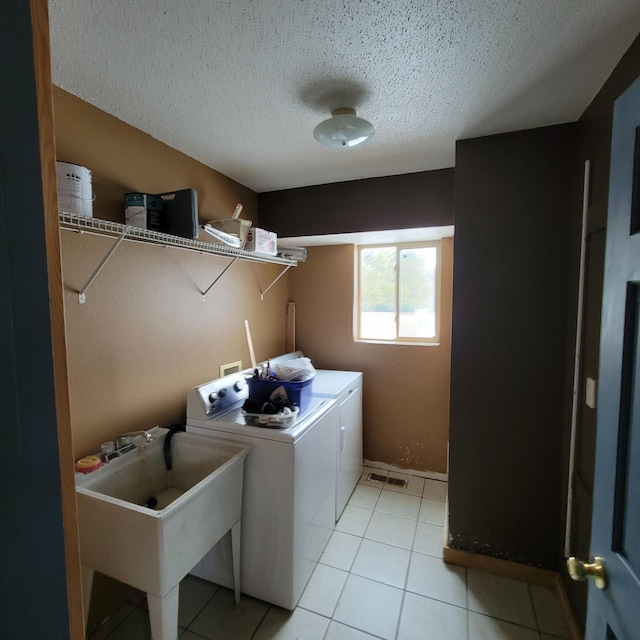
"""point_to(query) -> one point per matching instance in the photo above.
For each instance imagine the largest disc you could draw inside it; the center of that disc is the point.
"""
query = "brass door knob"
(580, 570)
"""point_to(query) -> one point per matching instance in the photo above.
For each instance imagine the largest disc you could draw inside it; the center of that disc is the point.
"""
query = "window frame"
(357, 303)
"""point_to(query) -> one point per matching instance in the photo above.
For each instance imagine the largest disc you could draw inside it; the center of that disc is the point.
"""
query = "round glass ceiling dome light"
(343, 130)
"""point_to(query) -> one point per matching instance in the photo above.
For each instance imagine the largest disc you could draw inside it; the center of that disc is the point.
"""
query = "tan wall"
(125, 159)
(145, 335)
(406, 388)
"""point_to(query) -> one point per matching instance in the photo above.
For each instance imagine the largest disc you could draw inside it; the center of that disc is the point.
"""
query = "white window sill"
(397, 343)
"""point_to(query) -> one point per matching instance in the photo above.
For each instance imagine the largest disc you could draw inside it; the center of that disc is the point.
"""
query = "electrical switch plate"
(590, 393)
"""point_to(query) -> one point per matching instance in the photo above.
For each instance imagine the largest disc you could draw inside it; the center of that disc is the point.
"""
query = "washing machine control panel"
(217, 395)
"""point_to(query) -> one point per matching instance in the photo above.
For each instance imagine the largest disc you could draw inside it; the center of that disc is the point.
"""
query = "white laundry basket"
(75, 193)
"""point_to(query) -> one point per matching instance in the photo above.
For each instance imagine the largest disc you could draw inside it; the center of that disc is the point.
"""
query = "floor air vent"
(396, 482)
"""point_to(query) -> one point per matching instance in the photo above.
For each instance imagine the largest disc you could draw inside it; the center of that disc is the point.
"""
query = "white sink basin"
(153, 549)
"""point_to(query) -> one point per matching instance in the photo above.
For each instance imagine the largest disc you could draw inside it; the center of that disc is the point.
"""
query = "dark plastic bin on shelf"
(299, 393)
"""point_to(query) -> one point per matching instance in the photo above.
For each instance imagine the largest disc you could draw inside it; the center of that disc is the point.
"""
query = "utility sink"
(153, 548)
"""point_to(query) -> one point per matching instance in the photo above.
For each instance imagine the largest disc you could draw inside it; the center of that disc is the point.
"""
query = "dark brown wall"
(395, 202)
(515, 204)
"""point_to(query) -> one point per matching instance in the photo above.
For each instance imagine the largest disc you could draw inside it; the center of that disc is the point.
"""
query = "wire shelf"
(95, 226)
(99, 227)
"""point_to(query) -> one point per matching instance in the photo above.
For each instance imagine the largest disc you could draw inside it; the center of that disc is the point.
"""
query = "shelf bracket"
(204, 293)
(264, 293)
(81, 296)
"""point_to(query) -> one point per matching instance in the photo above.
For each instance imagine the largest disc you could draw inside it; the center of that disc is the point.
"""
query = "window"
(398, 293)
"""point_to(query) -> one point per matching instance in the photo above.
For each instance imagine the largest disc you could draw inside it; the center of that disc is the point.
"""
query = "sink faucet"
(132, 438)
(124, 443)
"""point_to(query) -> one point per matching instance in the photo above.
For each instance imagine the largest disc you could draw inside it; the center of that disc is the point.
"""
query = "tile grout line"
(194, 633)
(201, 610)
(112, 632)
(266, 613)
(344, 584)
(406, 583)
(533, 607)
(404, 596)
(466, 582)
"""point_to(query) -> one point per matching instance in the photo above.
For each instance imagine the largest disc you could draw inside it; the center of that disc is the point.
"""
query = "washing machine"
(289, 491)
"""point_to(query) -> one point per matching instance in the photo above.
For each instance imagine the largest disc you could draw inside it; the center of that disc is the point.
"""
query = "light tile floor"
(381, 577)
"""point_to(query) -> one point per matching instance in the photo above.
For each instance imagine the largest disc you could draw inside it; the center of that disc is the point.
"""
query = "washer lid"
(332, 383)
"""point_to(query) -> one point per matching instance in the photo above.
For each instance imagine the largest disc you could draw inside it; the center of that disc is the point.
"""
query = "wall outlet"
(590, 393)
(230, 367)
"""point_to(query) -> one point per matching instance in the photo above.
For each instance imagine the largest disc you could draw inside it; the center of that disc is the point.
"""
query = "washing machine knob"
(222, 393)
(239, 386)
(213, 397)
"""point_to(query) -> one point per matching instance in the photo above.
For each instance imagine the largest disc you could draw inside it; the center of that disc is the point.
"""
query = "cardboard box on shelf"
(234, 226)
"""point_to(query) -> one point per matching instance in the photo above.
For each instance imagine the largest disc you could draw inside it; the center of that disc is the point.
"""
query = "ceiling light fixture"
(343, 130)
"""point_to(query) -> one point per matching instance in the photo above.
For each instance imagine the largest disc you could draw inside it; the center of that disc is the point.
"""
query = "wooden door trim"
(42, 70)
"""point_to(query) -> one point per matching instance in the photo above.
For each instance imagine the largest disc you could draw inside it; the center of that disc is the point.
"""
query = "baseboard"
(431, 475)
(567, 610)
(506, 568)
(542, 577)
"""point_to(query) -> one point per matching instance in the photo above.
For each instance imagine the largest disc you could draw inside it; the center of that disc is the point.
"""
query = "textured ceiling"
(240, 84)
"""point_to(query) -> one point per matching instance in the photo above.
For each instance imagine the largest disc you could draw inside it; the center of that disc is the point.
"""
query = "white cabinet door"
(349, 446)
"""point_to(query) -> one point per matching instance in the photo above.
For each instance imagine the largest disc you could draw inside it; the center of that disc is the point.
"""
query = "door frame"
(42, 72)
